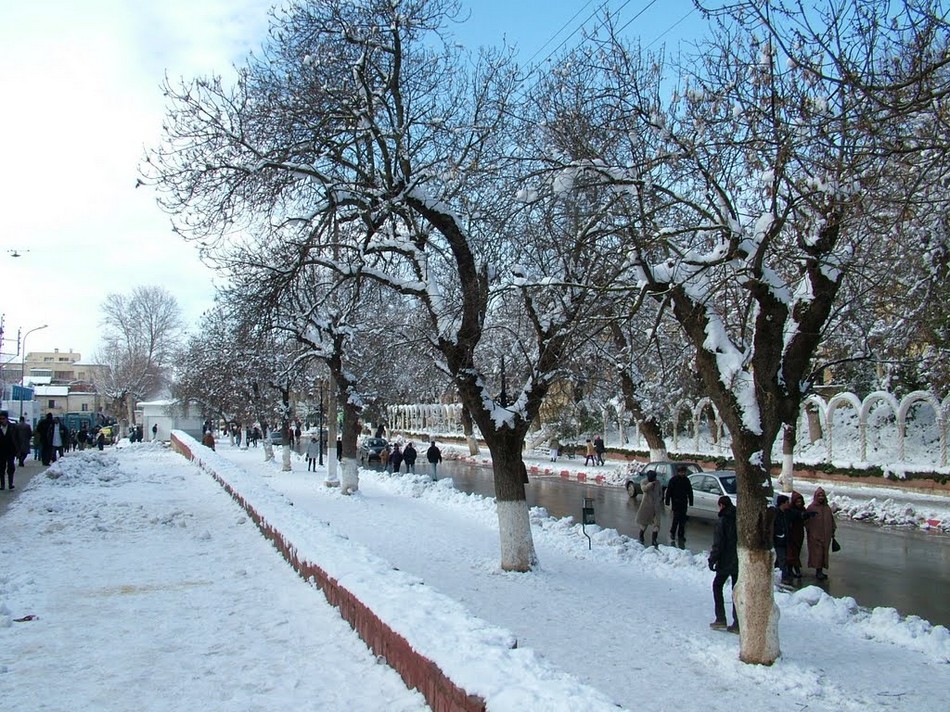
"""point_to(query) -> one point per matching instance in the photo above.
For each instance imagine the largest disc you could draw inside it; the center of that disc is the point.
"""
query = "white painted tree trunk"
(786, 480)
(658, 455)
(285, 460)
(755, 606)
(350, 479)
(517, 544)
(268, 451)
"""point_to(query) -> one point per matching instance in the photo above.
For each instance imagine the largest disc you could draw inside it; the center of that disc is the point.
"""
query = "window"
(85, 408)
(51, 404)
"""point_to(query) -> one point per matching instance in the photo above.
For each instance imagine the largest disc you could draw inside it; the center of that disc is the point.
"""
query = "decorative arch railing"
(446, 418)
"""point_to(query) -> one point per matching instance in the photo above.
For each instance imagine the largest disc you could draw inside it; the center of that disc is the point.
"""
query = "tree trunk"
(350, 479)
(755, 603)
(514, 524)
(468, 429)
(786, 479)
(333, 477)
(285, 457)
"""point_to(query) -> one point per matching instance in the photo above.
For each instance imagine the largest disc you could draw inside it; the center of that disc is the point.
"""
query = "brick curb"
(416, 670)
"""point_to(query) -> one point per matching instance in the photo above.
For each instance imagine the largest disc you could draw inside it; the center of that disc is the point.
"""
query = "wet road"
(904, 569)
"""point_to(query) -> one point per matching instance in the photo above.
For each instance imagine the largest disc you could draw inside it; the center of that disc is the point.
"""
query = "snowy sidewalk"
(622, 618)
(156, 593)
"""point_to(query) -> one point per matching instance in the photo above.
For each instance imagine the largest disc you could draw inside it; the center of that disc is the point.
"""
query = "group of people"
(794, 524)
(393, 456)
(50, 440)
(594, 452)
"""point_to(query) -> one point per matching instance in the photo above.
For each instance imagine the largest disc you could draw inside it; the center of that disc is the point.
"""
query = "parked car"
(370, 448)
(275, 437)
(664, 471)
(708, 487)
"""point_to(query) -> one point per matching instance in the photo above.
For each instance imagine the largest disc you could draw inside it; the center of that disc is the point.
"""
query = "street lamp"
(23, 364)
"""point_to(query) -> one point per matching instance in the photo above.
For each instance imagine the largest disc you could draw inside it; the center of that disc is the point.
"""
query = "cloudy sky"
(80, 88)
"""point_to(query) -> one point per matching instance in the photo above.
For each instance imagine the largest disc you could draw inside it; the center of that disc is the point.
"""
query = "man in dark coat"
(409, 457)
(600, 449)
(434, 456)
(9, 449)
(679, 497)
(25, 431)
(45, 431)
(724, 560)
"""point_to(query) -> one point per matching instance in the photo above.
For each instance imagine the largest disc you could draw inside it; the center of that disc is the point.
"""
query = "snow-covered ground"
(151, 590)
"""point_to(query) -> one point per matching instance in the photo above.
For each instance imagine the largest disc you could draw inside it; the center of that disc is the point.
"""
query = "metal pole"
(23, 363)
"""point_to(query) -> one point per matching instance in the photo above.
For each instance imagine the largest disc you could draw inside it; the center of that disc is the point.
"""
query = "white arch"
(697, 416)
(835, 402)
(686, 405)
(907, 402)
(869, 403)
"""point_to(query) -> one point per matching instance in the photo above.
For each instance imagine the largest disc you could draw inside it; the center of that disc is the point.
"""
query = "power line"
(669, 29)
(560, 30)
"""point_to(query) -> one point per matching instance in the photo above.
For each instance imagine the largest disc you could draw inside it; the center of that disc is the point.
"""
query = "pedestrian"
(313, 452)
(554, 448)
(679, 496)
(9, 449)
(409, 455)
(25, 432)
(395, 458)
(297, 434)
(780, 535)
(795, 516)
(59, 438)
(384, 458)
(650, 513)
(44, 431)
(820, 529)
(600, 449)
(101, 440)
(590, 455)
(724, 560)
(154, 432)
(207, 440)
(434, 456)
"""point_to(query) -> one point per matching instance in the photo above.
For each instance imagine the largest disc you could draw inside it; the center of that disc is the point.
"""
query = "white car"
(708, 487)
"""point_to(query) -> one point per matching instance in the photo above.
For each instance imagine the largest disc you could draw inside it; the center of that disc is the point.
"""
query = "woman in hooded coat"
(650, 512)
(795, 518)
(821, 530)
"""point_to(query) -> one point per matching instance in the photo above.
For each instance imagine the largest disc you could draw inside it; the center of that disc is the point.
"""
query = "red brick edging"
(416, 670)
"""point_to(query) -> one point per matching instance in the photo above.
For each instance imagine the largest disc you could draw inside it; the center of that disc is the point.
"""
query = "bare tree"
(140, 335)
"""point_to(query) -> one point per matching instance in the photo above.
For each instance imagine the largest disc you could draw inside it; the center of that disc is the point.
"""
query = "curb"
(416, 670)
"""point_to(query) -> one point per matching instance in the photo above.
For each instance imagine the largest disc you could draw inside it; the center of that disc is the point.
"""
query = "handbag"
(835, 546)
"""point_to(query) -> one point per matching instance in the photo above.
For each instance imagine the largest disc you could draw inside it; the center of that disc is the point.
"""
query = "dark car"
(664, 471)
(276, 438)
(371, 448)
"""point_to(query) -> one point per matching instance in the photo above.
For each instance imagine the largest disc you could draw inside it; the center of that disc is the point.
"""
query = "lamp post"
(23, 363)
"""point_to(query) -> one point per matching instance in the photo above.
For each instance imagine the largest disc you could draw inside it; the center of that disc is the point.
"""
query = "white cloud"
(81, 91)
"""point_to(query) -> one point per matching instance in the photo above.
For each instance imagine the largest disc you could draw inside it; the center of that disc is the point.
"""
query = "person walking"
(679, 496)
(600, 449)
(434, 456)
(25, 432)
(395, 458)
(154, 432)
(554, 449)
(724, 560)
(9, 450)
(780, 536)
(820, 529)
(207, 440)
(313, 452)
(44, 431)
(795, 516)
(650, 513)
(409, 455)
(590, 454)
